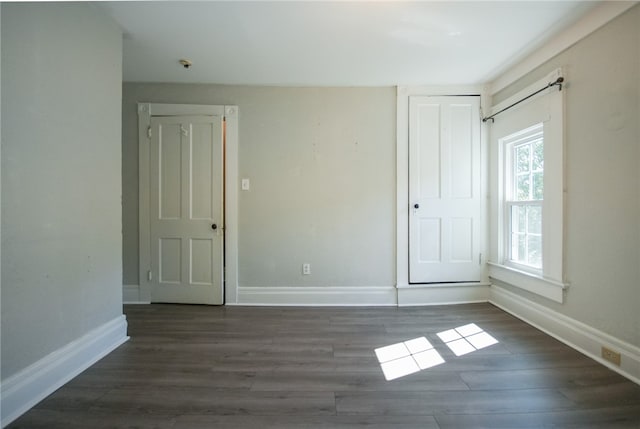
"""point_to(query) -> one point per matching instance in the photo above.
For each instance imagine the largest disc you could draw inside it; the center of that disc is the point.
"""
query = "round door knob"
(214, 226)
(416, 206)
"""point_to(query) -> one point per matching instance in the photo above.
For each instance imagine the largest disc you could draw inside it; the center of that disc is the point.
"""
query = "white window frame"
(546, 108)
(511, 143)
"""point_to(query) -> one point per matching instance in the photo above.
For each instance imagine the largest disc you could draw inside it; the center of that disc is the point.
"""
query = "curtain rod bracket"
(557, 83)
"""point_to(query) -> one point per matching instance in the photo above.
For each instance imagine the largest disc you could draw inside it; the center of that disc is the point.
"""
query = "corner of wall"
(25, 389)
(577, 335)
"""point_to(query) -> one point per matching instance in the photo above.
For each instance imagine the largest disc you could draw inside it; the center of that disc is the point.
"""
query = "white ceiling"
(334, 43)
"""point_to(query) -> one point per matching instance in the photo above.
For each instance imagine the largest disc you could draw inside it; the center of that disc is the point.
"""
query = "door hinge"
(480, 259)
(149, 132)
(149, 275)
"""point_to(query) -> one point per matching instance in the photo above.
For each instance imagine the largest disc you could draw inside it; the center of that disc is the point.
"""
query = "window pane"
(522, 157)
(522, 249)
(534, 251)
(538, 186)
(518, 219)
(513, 255)
(526, 235)
(523, 188)
(534, 219)
(537, 163)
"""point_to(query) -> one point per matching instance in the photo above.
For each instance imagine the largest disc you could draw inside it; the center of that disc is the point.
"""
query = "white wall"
(322, 168)
(602, 214)
(61, 177)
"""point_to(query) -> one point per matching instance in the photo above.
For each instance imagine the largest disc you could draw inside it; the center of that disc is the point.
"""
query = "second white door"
(186, 210)
(444, 189)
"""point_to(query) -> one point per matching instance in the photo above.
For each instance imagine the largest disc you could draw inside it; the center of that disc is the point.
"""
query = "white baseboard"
(25, 389)
(348, 296)
(131, 294)
(317, 296)
(442, 294)
(585, 339)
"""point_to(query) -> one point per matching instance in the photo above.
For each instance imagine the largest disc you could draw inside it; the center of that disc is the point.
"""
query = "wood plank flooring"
(191, 367)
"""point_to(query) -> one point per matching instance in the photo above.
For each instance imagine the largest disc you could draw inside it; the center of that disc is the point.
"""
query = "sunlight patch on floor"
(401, 359)
(398, 360)
(466, 339)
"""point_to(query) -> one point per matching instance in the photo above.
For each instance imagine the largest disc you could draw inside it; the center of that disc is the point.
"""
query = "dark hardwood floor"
(192, 367)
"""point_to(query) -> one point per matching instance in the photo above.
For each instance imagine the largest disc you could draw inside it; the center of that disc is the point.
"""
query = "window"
(524, 198)
(527, 190)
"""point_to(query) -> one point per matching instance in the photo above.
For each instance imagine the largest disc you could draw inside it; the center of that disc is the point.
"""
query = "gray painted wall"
(322, 167)
(318, 197)
(61, 177)
(0, 194)
(602, 126)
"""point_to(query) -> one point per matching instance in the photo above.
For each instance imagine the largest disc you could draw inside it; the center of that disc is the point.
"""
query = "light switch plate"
(246, 184)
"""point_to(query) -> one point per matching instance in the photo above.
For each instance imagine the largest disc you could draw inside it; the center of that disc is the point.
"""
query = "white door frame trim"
(402, 164)
(230, 113)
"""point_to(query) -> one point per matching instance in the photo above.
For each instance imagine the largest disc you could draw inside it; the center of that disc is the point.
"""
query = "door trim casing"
(230, 114)
(402, 165)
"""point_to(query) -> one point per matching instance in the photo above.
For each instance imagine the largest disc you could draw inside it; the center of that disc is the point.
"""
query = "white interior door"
(444, 189)
(186, 211)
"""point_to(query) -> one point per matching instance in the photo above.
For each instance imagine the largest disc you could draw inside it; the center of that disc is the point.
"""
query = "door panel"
(429, 230)
(170, 171)
(169, 269)
(201, 192)
(461, 239)
(461, 166)
(201, 257)
(185, 200)
(444, 189)
(428, 152)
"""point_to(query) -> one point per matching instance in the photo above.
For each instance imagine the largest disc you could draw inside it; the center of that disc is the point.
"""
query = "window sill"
(547, 288)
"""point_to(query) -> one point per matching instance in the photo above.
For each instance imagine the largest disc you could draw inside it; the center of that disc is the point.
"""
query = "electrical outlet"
(611, 356)
(306, 269)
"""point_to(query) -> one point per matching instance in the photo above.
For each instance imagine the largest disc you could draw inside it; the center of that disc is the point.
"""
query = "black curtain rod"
(557, 83)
